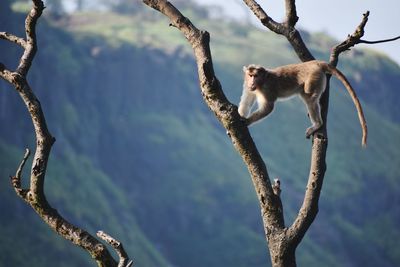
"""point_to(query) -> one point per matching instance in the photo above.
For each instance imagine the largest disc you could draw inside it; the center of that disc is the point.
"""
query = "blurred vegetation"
(139, 155)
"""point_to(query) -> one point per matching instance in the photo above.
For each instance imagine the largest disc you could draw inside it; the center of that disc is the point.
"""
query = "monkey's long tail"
(354, 97)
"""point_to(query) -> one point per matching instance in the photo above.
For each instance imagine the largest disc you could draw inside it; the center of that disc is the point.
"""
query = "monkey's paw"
(245, 121)
(310, 131)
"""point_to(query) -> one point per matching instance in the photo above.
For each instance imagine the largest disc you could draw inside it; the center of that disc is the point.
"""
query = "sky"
(335, 17)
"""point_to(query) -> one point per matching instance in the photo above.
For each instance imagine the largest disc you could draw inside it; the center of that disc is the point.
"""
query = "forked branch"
(351, 41)
(309, 209)
(354, 39)
(266, 20)
(30, 42)
(118, 247)
(12, 38)
(286, 28)
(291, 13)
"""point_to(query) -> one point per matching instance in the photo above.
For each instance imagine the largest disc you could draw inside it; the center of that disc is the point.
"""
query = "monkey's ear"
(244, 68)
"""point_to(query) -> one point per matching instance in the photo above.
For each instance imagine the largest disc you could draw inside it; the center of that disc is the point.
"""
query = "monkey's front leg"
(263, 110)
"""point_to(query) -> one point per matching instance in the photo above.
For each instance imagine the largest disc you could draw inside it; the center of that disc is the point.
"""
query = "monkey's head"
(254, 76)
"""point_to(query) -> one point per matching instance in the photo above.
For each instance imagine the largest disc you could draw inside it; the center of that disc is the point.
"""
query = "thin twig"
(291, 13)
(351, 41)
(12, 38)
(31, 44)
(16, 180)
(266, 20)
(21, 166)
(117, 245)
(286, 29)
(378, 41)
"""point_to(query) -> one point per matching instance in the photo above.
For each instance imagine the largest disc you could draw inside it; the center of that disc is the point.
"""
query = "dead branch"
(12, 38)
(291, 13)
(34, 195)
(354, 39)
(378, 41)
(16, 180)
(351, 41)
(309, 208)
(123, 256)
(286, 28)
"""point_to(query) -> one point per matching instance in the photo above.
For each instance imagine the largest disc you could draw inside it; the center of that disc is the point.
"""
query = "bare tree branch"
(16, 180)
(286, 29)
(5, 73)
(12, 38)
(351, 41)
(378, 41)
(354, 39)
(30, 30)
(266, 20)
(227, 114)
(291, 13)
(34, 195)
(309, 208)
(123, 256)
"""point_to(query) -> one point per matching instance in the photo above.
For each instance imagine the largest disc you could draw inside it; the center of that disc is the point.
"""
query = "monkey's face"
(254, 77)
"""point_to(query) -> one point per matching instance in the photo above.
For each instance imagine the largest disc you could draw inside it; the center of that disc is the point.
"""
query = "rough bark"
(35, 195)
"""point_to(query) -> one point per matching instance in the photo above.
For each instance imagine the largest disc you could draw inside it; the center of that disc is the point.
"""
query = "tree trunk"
(282, 251)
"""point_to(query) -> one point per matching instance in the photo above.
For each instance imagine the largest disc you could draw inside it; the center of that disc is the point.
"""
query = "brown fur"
(306, 79)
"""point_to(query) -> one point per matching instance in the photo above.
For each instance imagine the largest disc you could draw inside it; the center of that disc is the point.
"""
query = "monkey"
(308, 80)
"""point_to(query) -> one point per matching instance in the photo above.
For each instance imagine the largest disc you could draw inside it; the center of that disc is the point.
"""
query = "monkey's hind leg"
(314, 113)
(313, 89)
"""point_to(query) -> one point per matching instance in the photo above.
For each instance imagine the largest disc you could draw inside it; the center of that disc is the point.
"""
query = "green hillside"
(140, 156)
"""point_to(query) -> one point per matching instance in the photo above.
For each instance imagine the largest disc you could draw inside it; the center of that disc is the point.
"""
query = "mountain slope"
(139, 155)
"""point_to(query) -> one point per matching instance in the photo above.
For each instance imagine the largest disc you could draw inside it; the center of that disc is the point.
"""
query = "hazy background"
(336, 18)
(140, 156)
